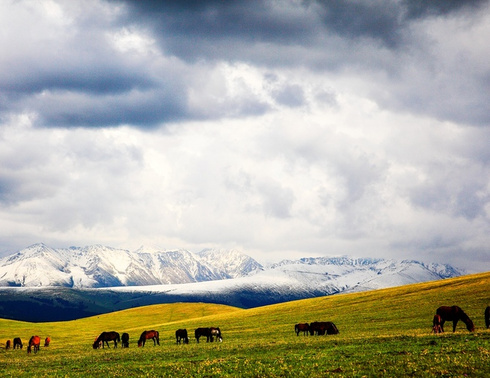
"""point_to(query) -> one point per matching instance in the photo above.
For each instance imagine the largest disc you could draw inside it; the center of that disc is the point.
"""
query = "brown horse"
(322, 328)
(105, 337)
(210, 333)
(302, 327)
(436, 324)
(47, 341)
(454, 314)
(34, 341)
(125, 340)
(146, 335)
(18, 343)
(487, 317)
(7, 344)
(181, 335)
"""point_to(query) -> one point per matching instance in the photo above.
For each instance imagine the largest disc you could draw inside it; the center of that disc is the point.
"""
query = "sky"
(284, 129)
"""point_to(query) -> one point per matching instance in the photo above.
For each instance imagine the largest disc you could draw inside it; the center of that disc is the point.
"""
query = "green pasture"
(382, 333)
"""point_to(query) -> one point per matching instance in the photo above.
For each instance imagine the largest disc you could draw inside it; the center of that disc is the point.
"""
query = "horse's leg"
(442, 325)
(454, 325)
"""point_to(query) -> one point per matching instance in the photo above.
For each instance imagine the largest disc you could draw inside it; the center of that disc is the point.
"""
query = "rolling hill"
(382, 332)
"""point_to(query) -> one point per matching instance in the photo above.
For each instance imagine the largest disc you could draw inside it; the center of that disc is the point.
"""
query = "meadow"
(382, 333)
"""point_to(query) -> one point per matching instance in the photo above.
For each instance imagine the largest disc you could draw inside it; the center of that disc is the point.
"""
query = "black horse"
(302, 327)
(17, 343)
(487, 317)
(181, 335)
(147, 335)
(322, 328)
(105, 337)
(454, 314)
(125, 340)
(210, 333)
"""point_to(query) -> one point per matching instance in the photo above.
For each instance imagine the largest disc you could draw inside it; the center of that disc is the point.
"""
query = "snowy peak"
(232, 262)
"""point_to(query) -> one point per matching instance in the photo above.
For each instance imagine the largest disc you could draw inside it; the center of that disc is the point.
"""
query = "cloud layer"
(278, 127)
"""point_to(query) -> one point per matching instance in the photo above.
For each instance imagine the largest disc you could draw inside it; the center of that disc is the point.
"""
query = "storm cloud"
(278, 127)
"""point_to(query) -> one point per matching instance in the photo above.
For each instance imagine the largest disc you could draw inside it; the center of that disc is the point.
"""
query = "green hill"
(382, 332)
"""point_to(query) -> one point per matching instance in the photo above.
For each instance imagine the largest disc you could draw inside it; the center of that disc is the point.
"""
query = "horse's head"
(470, 326)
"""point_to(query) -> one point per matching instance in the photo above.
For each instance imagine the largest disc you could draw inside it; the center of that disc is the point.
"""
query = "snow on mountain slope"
(234, 263)
(210, 271)
(308, 278)
(99, 266)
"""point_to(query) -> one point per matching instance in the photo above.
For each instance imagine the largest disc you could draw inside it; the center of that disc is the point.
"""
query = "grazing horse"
(34, 341)
(125, 340)
(436, 324)
(181, 335)
(105, 337)
(18, 343)
(7, 344)
(454, 314)
(322, 328)
(209, 333)
(146, 335)
(302, 327)
(47, 341)
(487, 317)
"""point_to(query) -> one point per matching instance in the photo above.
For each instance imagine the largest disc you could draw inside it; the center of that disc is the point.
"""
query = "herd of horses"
(32, 346)
(180, 335)
(316, 328)
(443, 314)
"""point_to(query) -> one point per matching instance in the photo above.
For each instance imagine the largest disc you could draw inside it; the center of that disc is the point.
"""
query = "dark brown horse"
(125, 340)
(34, 342)
(302, 327)
(454, 314)
(47, 341)
(7, 344)
(105, 337)
(487, 317)
(210, 333)
(322, 328)
(181, 335)
(18, 343)
(436, 324)
(147, 335)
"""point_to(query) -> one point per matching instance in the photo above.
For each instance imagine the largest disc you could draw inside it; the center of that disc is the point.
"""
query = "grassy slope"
(383, 332)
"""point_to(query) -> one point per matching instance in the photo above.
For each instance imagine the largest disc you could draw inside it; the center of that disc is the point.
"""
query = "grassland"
(382, 333)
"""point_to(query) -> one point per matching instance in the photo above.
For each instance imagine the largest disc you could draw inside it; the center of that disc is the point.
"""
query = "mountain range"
(75, 282)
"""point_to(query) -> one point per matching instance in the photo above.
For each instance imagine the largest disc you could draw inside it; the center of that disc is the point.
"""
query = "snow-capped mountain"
(73, 282)
(98, 266)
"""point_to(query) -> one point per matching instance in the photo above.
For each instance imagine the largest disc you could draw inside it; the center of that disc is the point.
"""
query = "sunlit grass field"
(382, 333)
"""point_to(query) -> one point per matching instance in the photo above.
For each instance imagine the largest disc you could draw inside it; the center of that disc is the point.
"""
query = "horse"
(146, 335)
(436, 324)
(181, 335)
(209, 333)
(454, 314)
(105, 337)
(302, 327)
(34, 341)
(18, 343)
(322, 328)
(125, 340)
(47, 341)
(487, 317)
(7, 344)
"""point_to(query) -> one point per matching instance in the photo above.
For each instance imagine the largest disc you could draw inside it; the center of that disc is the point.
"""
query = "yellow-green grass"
(382, 333)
